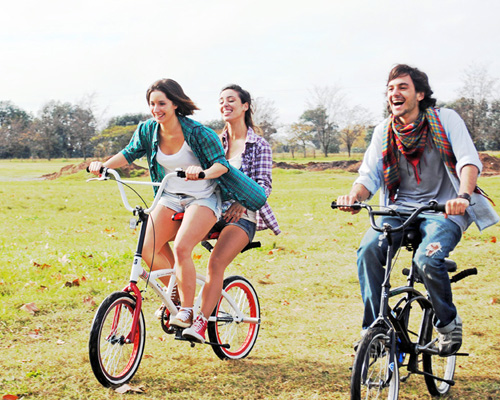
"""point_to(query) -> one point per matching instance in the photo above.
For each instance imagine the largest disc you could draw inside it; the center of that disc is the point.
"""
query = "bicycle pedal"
(226, 346)
(178, 333)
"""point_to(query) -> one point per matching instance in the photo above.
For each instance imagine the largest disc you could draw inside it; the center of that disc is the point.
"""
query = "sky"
(111, 51)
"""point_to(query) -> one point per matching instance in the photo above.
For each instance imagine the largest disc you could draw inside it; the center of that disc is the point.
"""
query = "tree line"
(328, 124)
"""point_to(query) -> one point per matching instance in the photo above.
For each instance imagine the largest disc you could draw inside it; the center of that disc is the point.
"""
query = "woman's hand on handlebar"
(348, 200)
(95, 167)
(193, 173)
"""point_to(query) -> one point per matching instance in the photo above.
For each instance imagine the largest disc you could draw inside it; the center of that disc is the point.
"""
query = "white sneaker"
(183, 319)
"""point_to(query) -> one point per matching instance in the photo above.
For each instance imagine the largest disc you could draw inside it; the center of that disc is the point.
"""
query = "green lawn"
(59, 232)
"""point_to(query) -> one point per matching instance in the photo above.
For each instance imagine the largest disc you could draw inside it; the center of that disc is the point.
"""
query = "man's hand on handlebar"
(348, 200)
(456, 207)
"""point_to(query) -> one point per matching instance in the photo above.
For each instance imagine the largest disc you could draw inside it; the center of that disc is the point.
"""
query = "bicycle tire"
(434, 364)
(374, 374)
(113, 361)
(242, 336)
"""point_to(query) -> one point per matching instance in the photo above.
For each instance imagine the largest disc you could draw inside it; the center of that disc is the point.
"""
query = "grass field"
(65, 245)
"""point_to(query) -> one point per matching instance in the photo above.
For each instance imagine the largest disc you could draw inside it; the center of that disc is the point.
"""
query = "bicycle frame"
(152, 278)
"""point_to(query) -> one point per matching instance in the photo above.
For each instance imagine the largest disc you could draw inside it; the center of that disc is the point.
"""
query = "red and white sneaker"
(196, 333)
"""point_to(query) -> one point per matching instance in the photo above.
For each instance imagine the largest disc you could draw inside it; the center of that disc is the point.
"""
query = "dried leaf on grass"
(493, 300)
(31, 308)
(89, 301)
(75, 282)
(64, 259)
(266, 280)
(41, 266)
(130, 389)
(10, 397)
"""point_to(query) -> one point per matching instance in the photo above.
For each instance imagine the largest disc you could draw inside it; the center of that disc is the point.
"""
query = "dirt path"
(491, 166)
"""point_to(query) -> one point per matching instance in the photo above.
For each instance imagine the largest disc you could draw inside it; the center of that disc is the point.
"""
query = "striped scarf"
(410, 140)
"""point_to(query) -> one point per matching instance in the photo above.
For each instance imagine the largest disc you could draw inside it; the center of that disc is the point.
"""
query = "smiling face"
(231, 107)
(161, 107)
(403, 99)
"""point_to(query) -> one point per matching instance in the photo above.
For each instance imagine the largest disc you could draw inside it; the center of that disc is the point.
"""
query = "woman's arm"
(263, 166)
(216, 170)
(117, 161)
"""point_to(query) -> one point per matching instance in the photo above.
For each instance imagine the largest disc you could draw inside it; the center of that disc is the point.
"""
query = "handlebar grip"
(463, 274)
(182, 174)
(440, 207)
(100, 170)
(334, 205)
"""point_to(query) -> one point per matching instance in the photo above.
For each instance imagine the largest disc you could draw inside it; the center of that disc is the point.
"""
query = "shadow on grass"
(269, 378)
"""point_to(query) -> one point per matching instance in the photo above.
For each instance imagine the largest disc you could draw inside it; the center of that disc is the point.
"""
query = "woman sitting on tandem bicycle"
(171, 140)
(252, 154)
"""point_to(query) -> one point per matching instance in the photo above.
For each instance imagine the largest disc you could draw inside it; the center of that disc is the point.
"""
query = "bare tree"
(302, 135)
(325, 108)
(476, 96)
(354, 124)
(265, 116)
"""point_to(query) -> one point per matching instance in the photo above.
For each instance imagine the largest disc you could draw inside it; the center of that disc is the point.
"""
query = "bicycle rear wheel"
(240, 336)
(374, 374)
(434, 364)
(114, 362)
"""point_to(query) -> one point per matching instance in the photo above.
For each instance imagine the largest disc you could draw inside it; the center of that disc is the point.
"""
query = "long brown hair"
(245, 97)
(174, 92)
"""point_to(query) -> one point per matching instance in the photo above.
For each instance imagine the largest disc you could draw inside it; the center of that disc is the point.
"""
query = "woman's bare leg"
(231, 241)
(198, 220)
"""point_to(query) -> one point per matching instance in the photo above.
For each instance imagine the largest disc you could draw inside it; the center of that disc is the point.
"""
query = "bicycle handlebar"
(389, 212)
(106, 172)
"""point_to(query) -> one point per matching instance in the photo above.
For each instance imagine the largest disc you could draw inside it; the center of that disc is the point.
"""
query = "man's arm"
(468, 181)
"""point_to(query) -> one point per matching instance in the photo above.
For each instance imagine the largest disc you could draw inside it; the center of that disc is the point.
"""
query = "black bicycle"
(403, 334)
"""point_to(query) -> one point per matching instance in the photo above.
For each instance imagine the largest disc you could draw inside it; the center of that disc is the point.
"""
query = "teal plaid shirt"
(207, 147)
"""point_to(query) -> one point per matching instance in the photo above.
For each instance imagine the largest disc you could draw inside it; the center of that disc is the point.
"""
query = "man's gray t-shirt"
(434, 184)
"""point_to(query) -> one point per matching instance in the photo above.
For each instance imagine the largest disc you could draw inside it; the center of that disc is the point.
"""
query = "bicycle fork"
(132, 286)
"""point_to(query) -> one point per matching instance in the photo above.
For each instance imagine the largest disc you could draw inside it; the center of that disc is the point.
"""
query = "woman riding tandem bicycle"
(171, 140)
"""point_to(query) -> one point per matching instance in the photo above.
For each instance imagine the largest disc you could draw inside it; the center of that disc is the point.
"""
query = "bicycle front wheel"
(375, 373)
(434, 364)
(114, 361)
(240, 336)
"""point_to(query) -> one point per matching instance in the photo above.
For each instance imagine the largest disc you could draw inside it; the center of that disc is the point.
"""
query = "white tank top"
(183, 159)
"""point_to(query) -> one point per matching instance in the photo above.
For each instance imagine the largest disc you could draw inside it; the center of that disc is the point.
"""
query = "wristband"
(465, 196)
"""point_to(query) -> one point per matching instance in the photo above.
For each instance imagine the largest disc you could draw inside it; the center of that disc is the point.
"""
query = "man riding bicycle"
(420, 153)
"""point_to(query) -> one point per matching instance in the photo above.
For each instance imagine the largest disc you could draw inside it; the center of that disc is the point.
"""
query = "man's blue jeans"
(439, 238)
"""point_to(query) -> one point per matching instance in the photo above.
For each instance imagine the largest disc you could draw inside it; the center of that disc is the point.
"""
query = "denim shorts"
(180, 202)
(248, 226)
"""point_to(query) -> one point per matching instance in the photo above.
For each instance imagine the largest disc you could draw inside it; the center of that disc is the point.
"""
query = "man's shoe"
(450, 342)
(183, 319)
(196, 333)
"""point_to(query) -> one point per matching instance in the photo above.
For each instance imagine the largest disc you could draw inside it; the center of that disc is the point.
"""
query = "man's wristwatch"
(465, 196)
